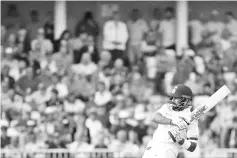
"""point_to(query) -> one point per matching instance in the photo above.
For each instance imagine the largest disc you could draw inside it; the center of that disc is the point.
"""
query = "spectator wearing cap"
(46, 45)
(167, 29)
(102, 96)
(137, 27)
(115, 36)
(231, 23)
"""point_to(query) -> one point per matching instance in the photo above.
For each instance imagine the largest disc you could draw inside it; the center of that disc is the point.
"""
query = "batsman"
(174, 132)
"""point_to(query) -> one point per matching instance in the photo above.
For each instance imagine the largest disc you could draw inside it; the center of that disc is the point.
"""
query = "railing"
(104, 153)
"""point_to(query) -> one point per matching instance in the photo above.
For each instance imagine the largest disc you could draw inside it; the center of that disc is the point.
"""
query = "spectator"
(231, 24)
(23, 42)
(156, 19)
(5, 139)
(214, 26)
(54, 100)
(49, 26)
(78, 46)
(167, 29)
(100, 142)
(34, 23)
(137, 27)
(94, 125)
(6, 77)
(58, 85)
(63, 58)
(65, 36)
(73, 104)
(46, 45)
(102, 96)
(115, 35)
(88, 25)
(230, 56)
(86, 67)
(80, 143)
(27, 83)
(11, 43)
(197, 26)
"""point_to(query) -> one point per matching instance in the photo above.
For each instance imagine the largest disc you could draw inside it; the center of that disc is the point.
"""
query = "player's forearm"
(158, 118)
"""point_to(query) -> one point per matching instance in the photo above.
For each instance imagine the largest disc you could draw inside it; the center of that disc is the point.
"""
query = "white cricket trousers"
(161, 150)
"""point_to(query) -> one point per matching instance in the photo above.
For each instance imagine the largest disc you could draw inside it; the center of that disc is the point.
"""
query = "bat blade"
(209, 103)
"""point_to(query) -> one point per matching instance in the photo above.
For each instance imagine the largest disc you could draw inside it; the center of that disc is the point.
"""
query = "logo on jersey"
(174, 90)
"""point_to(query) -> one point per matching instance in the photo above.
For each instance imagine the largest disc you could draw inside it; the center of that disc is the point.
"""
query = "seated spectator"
(102, 96)
(63, 58)
(11, 43)
(122, 147)
(54, 99)
(23, 42)
(115, 35)
(27, 83)
(5, 139)
(230, 55)
(58, 85)
(100, 142)
(6, 77)
(231, 23)
(73, 105)
(81, 144)
(65, 36)
(105, 60)
(40, 96)
(79, 46)
(86, 66)
(119, 68)
(46, 45)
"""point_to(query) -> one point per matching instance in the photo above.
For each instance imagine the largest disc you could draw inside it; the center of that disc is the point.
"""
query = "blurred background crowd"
(71, 93)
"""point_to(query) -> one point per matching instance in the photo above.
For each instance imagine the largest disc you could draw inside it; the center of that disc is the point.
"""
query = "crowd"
(68, 93)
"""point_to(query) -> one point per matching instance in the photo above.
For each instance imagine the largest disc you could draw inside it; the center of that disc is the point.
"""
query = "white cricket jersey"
(161, 134)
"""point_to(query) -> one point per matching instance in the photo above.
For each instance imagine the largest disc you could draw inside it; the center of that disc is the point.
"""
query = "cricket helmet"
(180, 96)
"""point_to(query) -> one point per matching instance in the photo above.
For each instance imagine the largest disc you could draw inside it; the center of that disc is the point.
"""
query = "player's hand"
(175, 134)
(181, 123)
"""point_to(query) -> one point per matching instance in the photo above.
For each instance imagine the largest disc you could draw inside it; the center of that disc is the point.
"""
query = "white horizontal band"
(186, 144)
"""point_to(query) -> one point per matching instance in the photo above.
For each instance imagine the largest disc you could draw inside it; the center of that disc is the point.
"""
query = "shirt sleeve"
(163, 110)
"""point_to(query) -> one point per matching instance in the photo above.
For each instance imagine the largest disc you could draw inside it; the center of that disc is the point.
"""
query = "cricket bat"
(203, 108)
